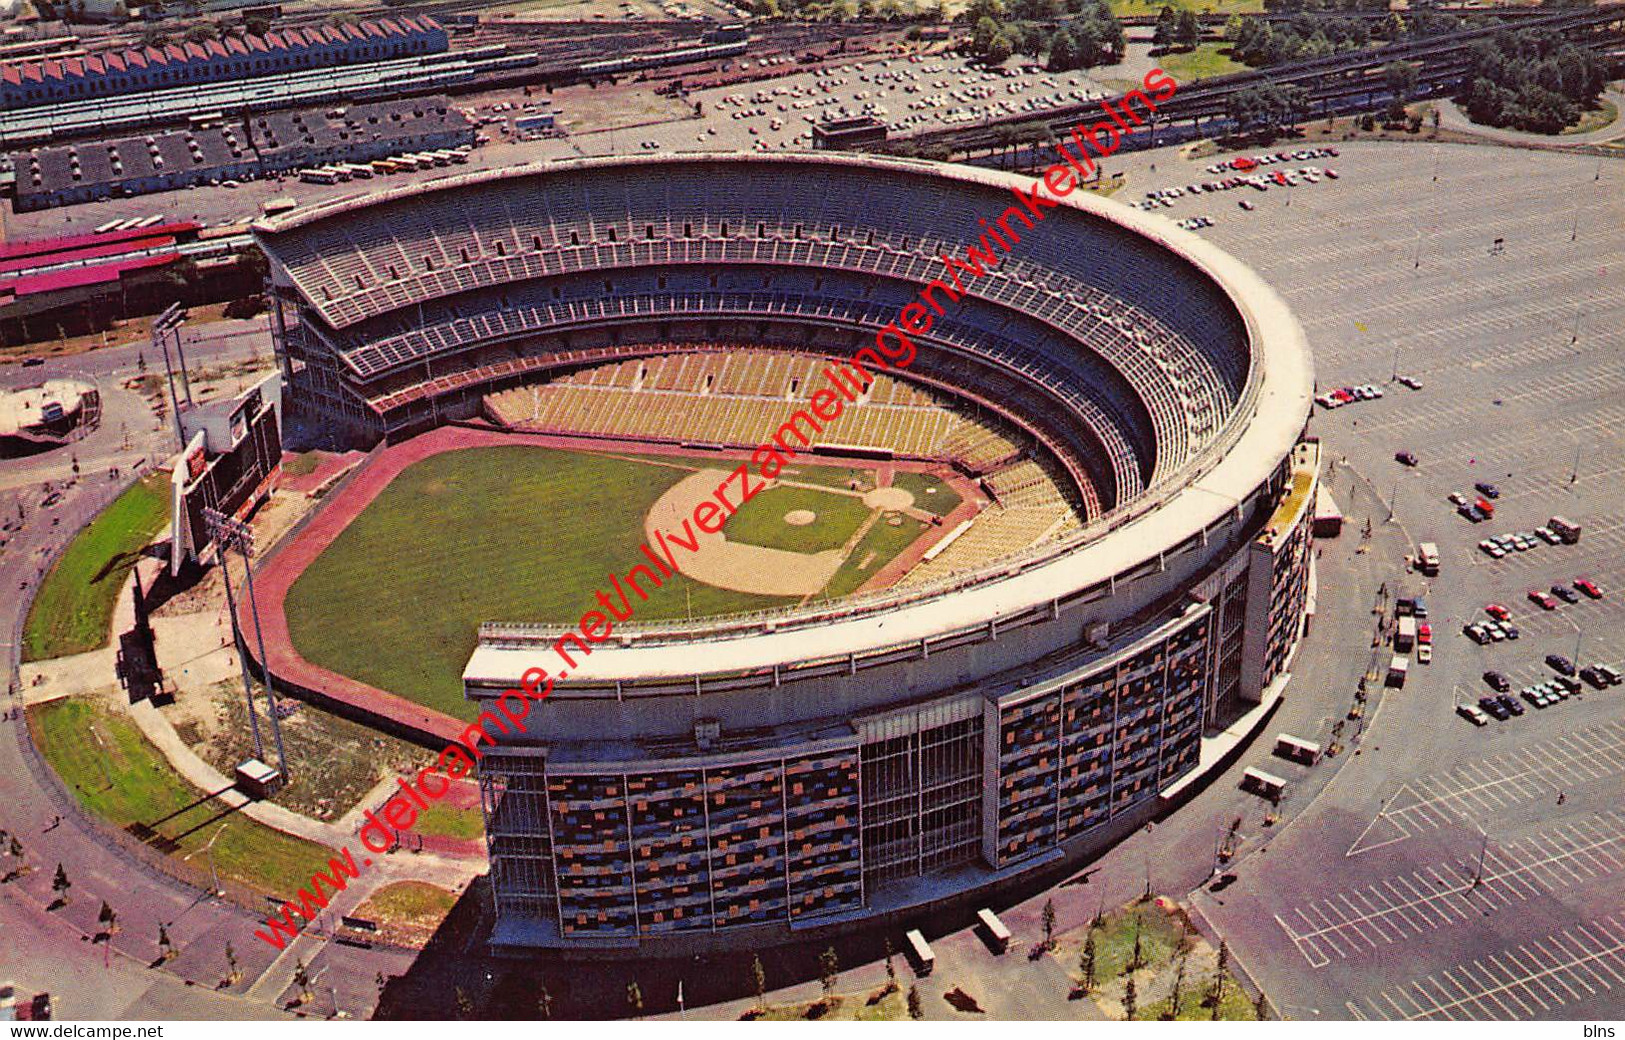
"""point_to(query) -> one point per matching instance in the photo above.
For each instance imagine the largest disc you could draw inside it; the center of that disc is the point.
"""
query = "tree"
(1400, 78)
(1048, 918)
(465, 1004)
(301, 978)
(16, 846)
(1136, 961)
(166, 949)
(976, 10)
(1179, 986)
(758, 978)
(234, 974)
(1086, 962)
(999, 51)
(634, 998)
(1130, 1001)
(1065, 53)
(891, 969)
(60, 885)
(916, 1008)
(981, 38)
(1261, 1007)
(1187, 29)
(829, 971)
(1162, 37)
(108, 919)
(257, 25)
(1221, 972)
(544, 1000)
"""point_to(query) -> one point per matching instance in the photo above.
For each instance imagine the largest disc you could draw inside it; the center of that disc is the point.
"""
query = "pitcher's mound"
(888, 498)
(800, 517)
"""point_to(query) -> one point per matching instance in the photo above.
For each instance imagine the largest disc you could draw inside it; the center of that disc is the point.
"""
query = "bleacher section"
(737, 397)
(1145, 352)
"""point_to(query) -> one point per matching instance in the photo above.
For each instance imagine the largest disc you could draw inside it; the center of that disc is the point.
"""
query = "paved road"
(1452, 117)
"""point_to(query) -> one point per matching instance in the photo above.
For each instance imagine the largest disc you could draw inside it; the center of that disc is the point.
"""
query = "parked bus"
(1398, 668)
(359, 171)
(319, 175)
(1297, 749)
(997, 934)
(1567, 530)
(279, 205)
(924, 959)
(385, 166)
(102, 229)
(1267, 784)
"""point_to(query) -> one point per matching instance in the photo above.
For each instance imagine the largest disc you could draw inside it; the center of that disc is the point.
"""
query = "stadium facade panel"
(693, 784)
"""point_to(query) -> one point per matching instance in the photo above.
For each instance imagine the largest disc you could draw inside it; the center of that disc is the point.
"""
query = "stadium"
(1025, 595)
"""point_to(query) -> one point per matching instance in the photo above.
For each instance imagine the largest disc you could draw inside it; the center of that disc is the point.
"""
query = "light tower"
(231, 533)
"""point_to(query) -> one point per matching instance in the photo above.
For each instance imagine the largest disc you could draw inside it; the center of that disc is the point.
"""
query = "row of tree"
(1257, 42)
(1531, 80)
(1180, 29)
(1091, 36)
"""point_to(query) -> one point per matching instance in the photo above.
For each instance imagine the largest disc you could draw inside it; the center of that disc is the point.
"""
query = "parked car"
(1560, 664)
(1543, 600)
(1497, 682)
(1493, 707)
(1510, 705)
(1491, 549)
(1566, 594)
(1589, 587)
(1610, 673)
(1405, 458)
(1498, 612)
(1487, 489)
(1473, 713)
(1594, 677)
(33, 362)
(1411, 381)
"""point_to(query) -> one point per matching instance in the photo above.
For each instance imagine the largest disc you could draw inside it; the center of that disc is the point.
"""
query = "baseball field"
(527, 533)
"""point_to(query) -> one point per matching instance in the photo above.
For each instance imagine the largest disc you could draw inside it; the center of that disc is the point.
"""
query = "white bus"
(1267, 784)
(923, 957)
(1297, 749)
(320, 175)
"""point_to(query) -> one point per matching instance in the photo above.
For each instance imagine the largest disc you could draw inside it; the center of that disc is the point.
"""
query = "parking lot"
(1365, 905)
(1393, 909)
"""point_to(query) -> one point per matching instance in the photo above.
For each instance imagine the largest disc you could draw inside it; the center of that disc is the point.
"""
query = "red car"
(1498, 612)
(1589, 587)
(1424, 633)
(1543, 599)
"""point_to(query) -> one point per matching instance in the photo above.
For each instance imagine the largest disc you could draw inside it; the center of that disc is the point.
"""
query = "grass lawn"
(508, 533)
(930, 493)
(74, 606)
(761, 520)
(117, 775)
(411, 903)
(303, 464)
(1205, 61)
(874, 1007)
(451, 822)
(885, 541)
(1594, 118)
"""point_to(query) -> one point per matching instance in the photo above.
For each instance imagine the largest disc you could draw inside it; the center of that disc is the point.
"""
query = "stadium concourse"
(698, 781)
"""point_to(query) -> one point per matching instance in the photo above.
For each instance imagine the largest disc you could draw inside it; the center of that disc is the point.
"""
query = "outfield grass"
(508, 533)
(761, 520)
(116, 774)
(930, 493)
(1206, 61)
(74, 605)
(885, 541)
(829, 476)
